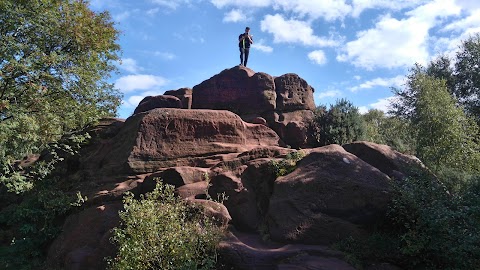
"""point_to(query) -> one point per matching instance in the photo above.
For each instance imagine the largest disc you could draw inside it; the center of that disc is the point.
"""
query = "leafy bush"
(34, 201)
(427, 228)
(341, 124)
(162, 231)
(287, 165)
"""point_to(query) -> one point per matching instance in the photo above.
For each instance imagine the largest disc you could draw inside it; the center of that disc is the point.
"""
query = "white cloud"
(165, 55)
(153, 11)
(241, 3)
(262, 47)
(360, 5)
(472, 21)
(318, 57)
(384, 82)
(139, 82)
(363, 109)
(329, 94)
(327, 9)
(293, 31)
(398, 43)
(121, 16)
(130, 65)
(235, 15)
(392, 43)
(357, 77)
(383, 104)
(172, 4)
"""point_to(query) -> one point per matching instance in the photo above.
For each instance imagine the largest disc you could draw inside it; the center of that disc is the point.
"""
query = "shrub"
(427, 228)
(162, 231)
(287, 165)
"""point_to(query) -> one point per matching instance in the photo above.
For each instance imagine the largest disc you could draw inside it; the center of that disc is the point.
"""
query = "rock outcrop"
(162, 101)
(286, 102)
(333, 193)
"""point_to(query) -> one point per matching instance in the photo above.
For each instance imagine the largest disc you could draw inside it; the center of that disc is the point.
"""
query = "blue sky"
(353, 49)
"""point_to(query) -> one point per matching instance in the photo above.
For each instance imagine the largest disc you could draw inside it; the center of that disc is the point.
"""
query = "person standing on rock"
(244, 41)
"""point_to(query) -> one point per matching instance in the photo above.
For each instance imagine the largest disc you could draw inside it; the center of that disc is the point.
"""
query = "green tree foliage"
(461, 75)
(55, 57)
(467, 75)
(446, 137)
(426, 228)
(341, 124)
(161, 231)
(390, 130)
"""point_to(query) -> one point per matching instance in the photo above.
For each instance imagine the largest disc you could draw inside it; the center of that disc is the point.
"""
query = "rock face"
(383, 157)
(184, 94)
(163, 138)
(149, 103)
(286, 102)
(239, 90)
(330, 196)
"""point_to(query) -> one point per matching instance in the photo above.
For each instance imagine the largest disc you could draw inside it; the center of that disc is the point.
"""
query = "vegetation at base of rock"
(162, 231)
(33, 205)
(428, 227)
(286, 165)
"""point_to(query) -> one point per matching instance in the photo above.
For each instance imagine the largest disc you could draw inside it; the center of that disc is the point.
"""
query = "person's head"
(247, 29)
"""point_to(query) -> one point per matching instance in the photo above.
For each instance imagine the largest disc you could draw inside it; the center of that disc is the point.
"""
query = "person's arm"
(241, 37)
(250, 38)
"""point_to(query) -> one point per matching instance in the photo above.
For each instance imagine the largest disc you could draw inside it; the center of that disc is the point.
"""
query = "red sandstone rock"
(184, 94)
(330, 196)
(154, 102)
(164, 137)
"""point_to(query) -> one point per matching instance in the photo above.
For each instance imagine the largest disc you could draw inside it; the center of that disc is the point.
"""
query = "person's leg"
(247, 51)
(241, 56)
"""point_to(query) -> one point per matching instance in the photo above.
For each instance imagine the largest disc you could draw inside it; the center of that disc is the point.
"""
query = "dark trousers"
(244, 52)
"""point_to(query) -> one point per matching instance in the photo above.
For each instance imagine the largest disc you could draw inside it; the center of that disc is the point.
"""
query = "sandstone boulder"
(184, 94)
(154, 102)
(239, 90)
(245, 251)
(164, 137)
(293, 93)
(85, 239)
(383, 157)
(330, 196)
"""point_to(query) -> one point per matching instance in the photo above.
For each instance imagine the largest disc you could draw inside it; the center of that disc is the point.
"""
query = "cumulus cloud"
(327, 9)
(398, 43)
(241, 3)
(472, 21)
(383, 104)
(130, 65)
(172, 4)
(318, 57)
(329, 94)
(358, 6)
(397, 81)
(392, 43)
(262, 47)
(139, 82)
(293, 31)
(235, 15)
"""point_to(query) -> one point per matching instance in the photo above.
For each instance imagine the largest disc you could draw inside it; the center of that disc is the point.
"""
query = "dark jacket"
(247, 41)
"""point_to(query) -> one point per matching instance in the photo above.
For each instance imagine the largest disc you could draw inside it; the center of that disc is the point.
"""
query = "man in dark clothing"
(244, 41)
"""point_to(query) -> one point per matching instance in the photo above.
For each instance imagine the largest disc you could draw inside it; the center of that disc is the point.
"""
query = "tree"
(55, 57)
(467, 73)
(341, 124)
(393, 131)
(462, 76)
(446, 137)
